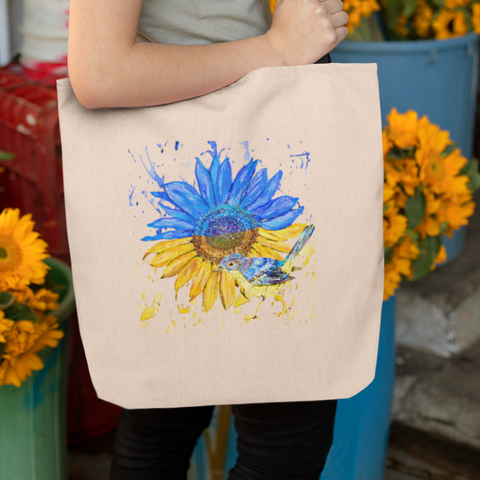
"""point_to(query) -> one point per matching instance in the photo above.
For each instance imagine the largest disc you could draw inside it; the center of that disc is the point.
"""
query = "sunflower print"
(226, 215)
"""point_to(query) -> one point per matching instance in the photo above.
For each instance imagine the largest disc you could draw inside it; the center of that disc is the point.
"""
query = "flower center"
(435, 171)
(224, 230)
(10, 254)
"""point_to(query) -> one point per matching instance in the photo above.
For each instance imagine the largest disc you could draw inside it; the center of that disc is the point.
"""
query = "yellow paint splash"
(183, 310)
(149, 312)
(307, 259)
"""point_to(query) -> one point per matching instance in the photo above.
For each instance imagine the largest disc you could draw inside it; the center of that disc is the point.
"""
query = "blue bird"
(263, 277)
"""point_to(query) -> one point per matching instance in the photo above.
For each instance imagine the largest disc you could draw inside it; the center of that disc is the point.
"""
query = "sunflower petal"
(200, 280)
(211, 291)
(175, 223)
(284, 234)
(190, 270)
(162, 246)
(279, 206)
(279, 246)
(257, 186)
(282, 221)
(227, 289)
(180, 214)
(205, 184)
(185, 197)
(170, 235)
(224, 181)
(268, 193)
(175, 266)
(266, 252)
(241, 182)
(241, 300)
(167, 256)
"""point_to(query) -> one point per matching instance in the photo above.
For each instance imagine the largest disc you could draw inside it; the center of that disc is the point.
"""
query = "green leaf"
(429, 248)
(21, 311)
(6, 299)
(400, 154)
(415, 210)
(387, 252)
(448, 149)
(385, 208)
(471, 169)
(6, 155)
(409, 7)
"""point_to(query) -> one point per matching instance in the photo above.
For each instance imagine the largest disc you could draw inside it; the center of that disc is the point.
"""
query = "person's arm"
(107, 68)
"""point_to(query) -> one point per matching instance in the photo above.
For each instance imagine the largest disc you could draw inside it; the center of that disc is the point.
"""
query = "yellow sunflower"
(21, 251)
(400, 265)
(431, 222)
(5, 326)
(402, 129)
(476, 17)
(400, 27)
(422, 20)
(449, 23)
(23, 342)
(394, 225)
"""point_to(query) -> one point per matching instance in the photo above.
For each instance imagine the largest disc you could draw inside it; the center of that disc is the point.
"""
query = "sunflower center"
(224, 230)
(435, 170)
(10, 254)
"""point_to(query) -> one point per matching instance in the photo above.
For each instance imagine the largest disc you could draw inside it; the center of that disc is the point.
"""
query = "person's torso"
(197, 22)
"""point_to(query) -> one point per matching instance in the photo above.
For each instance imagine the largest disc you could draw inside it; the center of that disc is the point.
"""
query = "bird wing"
(265, 271)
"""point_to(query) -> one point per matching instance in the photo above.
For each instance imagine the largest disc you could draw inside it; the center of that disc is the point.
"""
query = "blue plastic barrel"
(437, 78)
(362, 425)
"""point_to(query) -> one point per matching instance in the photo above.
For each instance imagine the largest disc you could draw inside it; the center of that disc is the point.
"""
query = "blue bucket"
(437, 78)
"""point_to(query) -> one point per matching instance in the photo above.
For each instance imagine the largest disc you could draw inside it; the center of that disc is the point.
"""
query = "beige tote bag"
(228, 248)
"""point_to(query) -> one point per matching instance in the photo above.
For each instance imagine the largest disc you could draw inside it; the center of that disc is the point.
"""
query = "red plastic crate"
(33, 182)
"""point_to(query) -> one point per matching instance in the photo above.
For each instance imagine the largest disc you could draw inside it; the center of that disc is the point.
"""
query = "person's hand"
(303, 31)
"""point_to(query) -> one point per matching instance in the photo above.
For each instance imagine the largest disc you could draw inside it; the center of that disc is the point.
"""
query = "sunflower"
(402, 129)
(430, 224)
(21, 251)
(226, 215)
(399, 265)
(422, 20)
(449, 23)
(400, 26)
(5, 326)
(23, 342)
(476, 17)
(394, 225)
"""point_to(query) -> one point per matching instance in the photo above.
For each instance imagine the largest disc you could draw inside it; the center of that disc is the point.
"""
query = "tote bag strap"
(144, 36)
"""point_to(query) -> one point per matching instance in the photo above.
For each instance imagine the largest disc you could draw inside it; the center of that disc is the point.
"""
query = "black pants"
(276, 441)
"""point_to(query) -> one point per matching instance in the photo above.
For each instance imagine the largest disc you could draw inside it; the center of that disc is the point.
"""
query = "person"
(202, 46)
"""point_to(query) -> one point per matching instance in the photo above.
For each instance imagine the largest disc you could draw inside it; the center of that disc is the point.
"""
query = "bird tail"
(297, 248)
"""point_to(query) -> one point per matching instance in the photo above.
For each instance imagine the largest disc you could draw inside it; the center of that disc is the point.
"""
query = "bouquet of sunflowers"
(27, 298)
(428, 189)
(409, 19)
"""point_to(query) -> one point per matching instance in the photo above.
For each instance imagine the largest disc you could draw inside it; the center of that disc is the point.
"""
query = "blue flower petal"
(180, 214)
(282, 221)
(257, 186)
(169, 222)
(185, 197)
(161, 195)
(171, 235)
(224, 181)
(214, 168)
(266, 197)
(205, 184)
(277, 208)
(241, 182)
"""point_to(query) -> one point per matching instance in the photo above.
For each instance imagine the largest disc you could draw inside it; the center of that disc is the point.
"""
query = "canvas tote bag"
(228, 248)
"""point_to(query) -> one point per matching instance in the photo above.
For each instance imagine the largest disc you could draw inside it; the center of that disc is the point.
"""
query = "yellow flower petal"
(167, 256)
(281, 235)
(227, 289)
(174, 267)
(165, 245)
(200, 280)
(189, 271)
(279, 246)
(211, 291)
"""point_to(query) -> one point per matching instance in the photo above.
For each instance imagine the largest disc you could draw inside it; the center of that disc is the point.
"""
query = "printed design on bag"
(227, 237)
